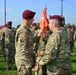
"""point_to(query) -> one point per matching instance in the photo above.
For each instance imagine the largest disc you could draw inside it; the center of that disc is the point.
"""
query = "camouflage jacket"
(57, 54)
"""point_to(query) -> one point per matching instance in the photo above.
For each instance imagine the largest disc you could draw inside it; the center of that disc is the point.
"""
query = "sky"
(15, 8)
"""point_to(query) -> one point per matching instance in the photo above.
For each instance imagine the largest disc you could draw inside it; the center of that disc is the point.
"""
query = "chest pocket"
(30, 39)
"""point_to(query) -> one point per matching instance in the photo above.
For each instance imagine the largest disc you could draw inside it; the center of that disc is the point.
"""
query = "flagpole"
(62, 7)
(4, 11)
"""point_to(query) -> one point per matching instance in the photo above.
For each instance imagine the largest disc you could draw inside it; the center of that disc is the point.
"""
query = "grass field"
(3, 70)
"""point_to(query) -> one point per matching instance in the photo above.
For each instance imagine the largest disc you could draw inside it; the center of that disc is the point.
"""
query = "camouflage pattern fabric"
(2, 43)
(24, 50)
(70, 38)
(7, 44)
(57, 54)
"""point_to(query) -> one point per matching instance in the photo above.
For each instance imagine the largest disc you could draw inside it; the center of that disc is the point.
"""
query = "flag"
(44, 21)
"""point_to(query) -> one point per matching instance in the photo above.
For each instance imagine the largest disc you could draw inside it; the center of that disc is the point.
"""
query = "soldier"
(12, 45)
(70, 32)
(57, 52)
(74, 36)
(24, 44)
(7, 45)
(2, 43)
(72, 39)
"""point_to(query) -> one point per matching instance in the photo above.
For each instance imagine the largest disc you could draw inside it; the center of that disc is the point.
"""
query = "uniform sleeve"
(51, 51)
(35, 37)
(23, 39)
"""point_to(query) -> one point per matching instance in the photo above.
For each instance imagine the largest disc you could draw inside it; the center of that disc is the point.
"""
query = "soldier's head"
(72, 27)
(9, 24)
(68, 27)
(55, 22)
(28, 16)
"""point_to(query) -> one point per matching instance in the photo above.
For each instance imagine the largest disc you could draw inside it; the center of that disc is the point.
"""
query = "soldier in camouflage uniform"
(74, 39)
(57, 52)
(74, 36)
(24, 44)
(12, 40)
(9, 52)
(2, 43)
(70, 36)
(7, 33)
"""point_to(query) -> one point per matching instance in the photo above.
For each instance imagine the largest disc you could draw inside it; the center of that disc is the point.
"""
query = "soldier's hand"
(36, 68)
(41, 34)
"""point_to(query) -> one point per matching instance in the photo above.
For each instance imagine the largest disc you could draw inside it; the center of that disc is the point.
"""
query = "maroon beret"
(72, 27)
(56, 17)
(28, 14)
(33, 24)
(4, 26)
(9, 22)
(69, 27)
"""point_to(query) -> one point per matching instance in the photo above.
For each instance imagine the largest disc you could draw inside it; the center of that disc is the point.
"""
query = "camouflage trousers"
(2, 49)
(42, 70)
(9, 56)
(71, 45)
(23, 66)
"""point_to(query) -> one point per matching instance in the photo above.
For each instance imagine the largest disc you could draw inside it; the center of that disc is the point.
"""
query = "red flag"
(44, 21)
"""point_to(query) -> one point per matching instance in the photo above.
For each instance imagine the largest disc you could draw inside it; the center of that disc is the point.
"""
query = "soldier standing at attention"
(2, 43)
(12, 45)
(24, 44)
(72, 37)
(7, 45)
(57, 52)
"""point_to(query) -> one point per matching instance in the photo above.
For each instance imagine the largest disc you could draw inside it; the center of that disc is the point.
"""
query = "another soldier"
(74, 39)
(12, 45)
(7, 45)
(24, 44)
(72, 35)
(2, 43)
(57, 53)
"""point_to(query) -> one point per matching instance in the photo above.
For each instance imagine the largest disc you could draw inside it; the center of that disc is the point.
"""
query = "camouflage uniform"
(2, 43)
(8, 49)
(13, 32)
(36, 44)
(74, 36)
(70, 38)
(42, 45)
(24, 50)
(57, 54)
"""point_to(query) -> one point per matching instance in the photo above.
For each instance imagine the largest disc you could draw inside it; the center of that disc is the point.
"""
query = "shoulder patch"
(22, 35)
